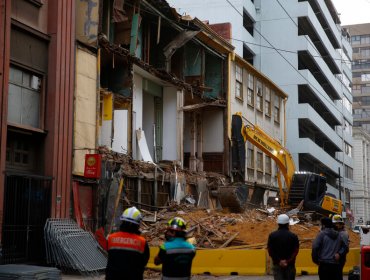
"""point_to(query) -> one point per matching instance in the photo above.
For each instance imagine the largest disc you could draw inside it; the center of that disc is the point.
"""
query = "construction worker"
(343, 234)
(325, 251)
(283, 247)
(128, 252)
(175, 254)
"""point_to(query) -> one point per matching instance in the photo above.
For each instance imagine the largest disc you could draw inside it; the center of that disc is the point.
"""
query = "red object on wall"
(92, 166)
(365, 262)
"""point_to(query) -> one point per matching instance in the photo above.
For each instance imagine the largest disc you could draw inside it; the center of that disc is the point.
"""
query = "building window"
(250, 90)
(355, 40)
(238, 82)
(248, 23)
(365, 39)
(365, 77)
(25, 98)
(267, 102)
(268, 168)
(20, 152)
(250, 156)
(348, 149)
(348, 172)
(277, 109)
(259, 161)
(259, 99)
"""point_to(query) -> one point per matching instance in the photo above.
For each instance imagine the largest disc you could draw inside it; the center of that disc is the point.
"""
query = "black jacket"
(283, 245)
(128, 254)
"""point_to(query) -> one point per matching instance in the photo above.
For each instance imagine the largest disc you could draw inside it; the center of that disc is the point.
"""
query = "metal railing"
(27, 202)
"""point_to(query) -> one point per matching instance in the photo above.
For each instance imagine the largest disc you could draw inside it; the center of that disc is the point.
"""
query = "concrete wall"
(213, 130)
(137, 104)
(170, 125)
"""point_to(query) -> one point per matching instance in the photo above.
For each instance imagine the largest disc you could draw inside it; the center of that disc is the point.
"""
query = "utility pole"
(339, 186)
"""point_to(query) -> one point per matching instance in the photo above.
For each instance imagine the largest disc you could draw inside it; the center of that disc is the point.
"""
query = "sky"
(353, 11)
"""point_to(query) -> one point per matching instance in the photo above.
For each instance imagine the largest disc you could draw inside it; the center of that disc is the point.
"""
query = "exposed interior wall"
(120, 140)
(148, 121)
(187, 134)
(105, 134)
(137, 119)
(213, 129)
(85, 108)
(170, 134)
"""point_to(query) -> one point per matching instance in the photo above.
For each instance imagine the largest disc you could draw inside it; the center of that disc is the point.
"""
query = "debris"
(229, 240)
(215, 229)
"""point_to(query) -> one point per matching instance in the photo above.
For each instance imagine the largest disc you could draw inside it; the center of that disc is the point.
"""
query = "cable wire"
(317, 91)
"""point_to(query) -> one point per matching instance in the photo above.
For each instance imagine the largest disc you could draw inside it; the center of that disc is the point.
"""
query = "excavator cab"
(311, 188)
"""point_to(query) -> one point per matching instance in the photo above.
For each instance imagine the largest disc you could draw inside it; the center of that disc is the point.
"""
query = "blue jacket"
(176, 256)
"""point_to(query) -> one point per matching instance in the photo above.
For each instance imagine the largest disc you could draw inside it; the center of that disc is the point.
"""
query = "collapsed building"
(137, 110)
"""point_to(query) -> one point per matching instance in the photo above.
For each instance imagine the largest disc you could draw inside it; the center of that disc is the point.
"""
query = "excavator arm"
(273, 149)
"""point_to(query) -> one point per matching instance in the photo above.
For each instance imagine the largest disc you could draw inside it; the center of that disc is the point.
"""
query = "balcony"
(316, 157)
(307, 59)
(326, 19)
(309, 25)
(311, 125)
(326, 109)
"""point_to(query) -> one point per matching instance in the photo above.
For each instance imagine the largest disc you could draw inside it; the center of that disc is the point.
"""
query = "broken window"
(250, 90)
(238, 82)
(24, 103)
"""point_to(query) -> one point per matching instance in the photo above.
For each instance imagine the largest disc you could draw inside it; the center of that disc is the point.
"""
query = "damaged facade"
(151, 116)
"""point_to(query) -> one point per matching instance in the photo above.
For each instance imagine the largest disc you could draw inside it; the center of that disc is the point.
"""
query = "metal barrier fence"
(27, 202)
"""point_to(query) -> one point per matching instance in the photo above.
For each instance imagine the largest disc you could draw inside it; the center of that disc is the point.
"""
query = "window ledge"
(27, 128)
(37, 3)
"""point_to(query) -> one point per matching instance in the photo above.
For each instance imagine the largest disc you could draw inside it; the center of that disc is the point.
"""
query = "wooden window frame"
(277, 101)
(42, 97)
(250, 86)
(259, 95)
(238, 82)
(268, 102)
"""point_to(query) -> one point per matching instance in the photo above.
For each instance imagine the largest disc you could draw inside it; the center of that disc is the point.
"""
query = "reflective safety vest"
(126, 241)
(128, 254)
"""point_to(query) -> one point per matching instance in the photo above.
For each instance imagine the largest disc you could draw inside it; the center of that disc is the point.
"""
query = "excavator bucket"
(234, 197)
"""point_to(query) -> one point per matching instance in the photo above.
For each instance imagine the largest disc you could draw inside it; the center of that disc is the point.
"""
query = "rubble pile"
(217, 229)
(211, 228)
(131, 167)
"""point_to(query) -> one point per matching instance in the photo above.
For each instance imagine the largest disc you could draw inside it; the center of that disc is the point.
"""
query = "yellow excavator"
(307, 187)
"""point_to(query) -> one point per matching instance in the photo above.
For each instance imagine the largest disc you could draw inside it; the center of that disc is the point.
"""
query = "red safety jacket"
(128, 254)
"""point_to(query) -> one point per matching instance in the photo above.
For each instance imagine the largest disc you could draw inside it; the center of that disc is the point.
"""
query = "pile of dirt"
(219, 229)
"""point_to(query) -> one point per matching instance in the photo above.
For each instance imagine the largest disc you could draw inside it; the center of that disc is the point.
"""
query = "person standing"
(175, 254)
(343, 235)
(128, 251)
(283, 247)
(325, 251)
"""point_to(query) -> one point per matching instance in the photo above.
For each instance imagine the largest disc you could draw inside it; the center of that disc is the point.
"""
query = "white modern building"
(301, 47)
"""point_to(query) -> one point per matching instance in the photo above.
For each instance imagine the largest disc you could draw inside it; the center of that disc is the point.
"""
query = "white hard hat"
(131, 215)
(283, 219)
